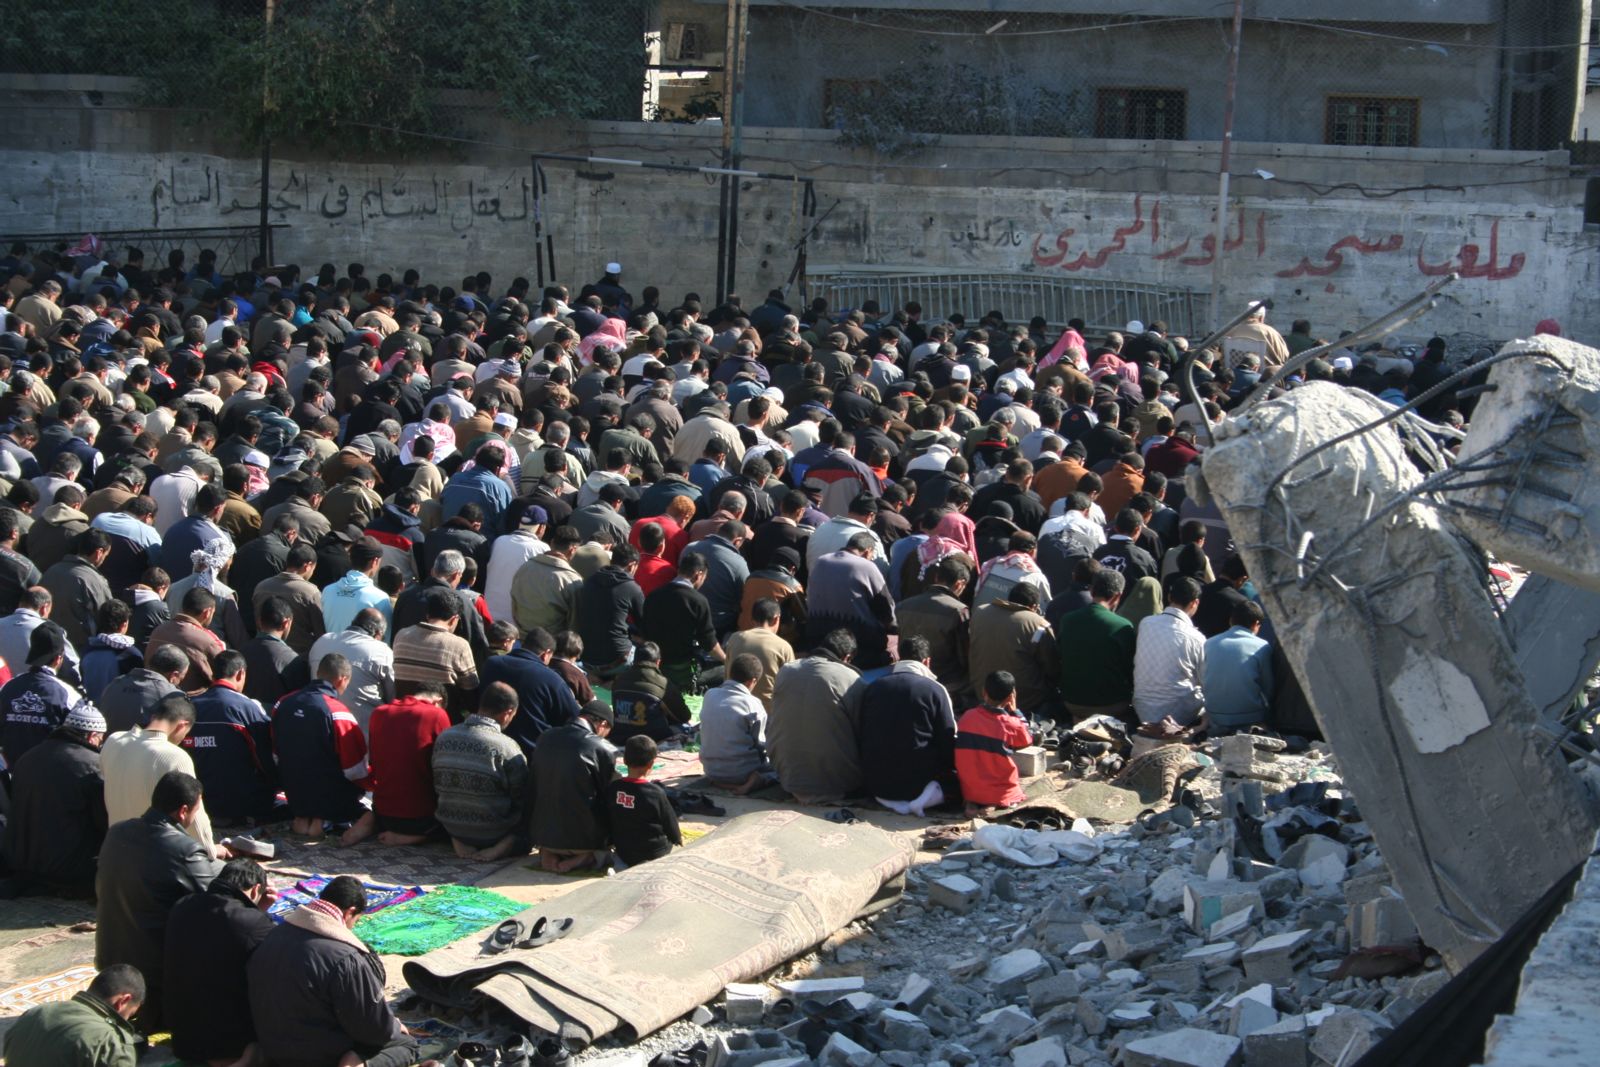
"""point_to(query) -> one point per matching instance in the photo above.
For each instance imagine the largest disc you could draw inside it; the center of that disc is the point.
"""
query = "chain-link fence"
(889, 75)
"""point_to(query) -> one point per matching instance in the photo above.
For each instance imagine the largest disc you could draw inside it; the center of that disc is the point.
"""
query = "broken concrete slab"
(955, 891)
(1285, 1044)
(1354, 569)
(1275, 959)
(1346, 1036)
(1011, 973)
(1046, 1052)
(1384, 920)
(1046, 993)
(1205, 903)
(1184, 1048)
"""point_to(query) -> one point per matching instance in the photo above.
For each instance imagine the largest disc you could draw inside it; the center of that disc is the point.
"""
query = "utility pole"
(1221, 234)
(738, 27)
(264, 237)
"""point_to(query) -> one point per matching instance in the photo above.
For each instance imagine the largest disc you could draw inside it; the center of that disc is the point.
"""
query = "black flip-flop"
(545, 931)
(844, 817)
(505, 935)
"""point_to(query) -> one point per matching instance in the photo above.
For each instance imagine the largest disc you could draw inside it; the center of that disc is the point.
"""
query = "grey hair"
(449, 562)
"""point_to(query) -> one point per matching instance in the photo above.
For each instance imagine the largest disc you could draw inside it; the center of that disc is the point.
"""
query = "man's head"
(177, 796)
(1183, 593)
(863, 544)
(1248, 615)
(169, 662)
(247, 877)
(1234, 570)
(174, 713)
(200, 605)
(599, 716)
(348, 895)
(1106, 587)
(498, 702)
(916, 649)
(335, 670)
(121, 988)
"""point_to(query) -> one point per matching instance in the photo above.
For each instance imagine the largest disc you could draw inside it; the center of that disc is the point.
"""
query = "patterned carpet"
(430, 864)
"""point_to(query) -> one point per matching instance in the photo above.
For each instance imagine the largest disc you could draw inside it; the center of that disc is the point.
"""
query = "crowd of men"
(358, 554)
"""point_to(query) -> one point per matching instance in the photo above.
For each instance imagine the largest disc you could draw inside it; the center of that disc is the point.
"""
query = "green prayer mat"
(446, 914)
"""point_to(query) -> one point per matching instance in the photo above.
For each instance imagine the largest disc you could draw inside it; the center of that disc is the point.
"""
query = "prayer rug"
(652, 942)
(422, 924)
(379, 897)
(46, 990)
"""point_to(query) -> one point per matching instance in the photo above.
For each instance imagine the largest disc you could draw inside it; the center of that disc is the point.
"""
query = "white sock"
(931, 795)
(899, 807)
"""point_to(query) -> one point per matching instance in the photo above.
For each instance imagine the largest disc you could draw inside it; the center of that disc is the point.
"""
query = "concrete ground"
(42, 936)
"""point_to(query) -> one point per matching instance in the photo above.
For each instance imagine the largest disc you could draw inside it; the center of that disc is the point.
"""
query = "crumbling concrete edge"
(1559, 997)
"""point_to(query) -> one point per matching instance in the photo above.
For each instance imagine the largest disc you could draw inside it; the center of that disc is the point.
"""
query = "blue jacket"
(725, 575)
(33, 704)
(481, 487)
(544, 699)
(322, 754)
(231, 745)
(185, 536)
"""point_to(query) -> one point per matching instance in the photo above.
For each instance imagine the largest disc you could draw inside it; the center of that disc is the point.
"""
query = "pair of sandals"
(513, 933)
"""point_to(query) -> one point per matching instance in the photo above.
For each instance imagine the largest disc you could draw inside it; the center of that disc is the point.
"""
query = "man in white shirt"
(510, 552)
(1169, 665)
(227, 315)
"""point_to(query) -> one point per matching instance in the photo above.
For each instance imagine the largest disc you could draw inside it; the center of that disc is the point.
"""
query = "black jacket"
(58, 814)
(607, 601)
(257, 560)
(568, 778)
(643, 824)
(210, 935)
(1026, 510)
(147, 865)
(314, 997)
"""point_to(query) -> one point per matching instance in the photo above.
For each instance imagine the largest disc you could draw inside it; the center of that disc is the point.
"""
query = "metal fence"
(233, 246)
(1104, 305)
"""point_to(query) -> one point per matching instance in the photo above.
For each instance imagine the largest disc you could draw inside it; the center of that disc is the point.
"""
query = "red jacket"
(401, 757)
(988, 776)
(1171, 457)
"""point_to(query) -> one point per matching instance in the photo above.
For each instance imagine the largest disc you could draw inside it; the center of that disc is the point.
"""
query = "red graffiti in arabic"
(1334, 257)
(1119, 241)
(1469, 267)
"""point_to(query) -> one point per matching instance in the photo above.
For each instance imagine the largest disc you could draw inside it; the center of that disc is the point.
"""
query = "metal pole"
(1221, 235)
(728, 46)
(264, 239)
(743, 35)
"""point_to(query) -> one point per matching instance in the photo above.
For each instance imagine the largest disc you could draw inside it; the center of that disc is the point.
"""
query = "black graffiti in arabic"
(182, 195)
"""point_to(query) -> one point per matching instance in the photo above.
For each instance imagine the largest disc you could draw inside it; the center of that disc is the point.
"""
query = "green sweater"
(81, 1032)
(1096, 657)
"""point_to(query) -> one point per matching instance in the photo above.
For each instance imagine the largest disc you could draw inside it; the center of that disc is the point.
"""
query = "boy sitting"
(983, 736)
(643, 825)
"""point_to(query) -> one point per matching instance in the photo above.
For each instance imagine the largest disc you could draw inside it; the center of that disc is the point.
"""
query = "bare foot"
(389, 837)
(308, 827)
(499, 850)
(575, 863)
(359, 830)
(979, 810)
(464, 850)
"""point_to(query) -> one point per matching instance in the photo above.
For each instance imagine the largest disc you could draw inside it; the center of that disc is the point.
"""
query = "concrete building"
(1406, 73)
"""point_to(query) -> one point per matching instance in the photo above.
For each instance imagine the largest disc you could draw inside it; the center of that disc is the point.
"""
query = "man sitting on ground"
(134, 761)
(908, 733)
(58, 813)
(401, 736)
(322, 756)
(480, 775)
(316, 991)
(572, 771)
(210, 937)
(90, 1030)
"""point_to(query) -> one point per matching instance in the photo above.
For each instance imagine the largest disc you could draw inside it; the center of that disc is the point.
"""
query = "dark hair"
(1247, 613)
(639, 751)
(117, 979)
(744, 669)
(915, 647)
(113, 615)
(497, 699)
(175, 790)
(227, 663)
(1182, 590)
(765, 610)
(242, 874)
(273, 612)
(440, 604)
(1107, 584)
(841, 643)
(344, 893)
(999, 685)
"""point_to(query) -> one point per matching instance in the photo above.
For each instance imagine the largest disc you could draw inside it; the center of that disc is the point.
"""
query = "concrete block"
(1233, 923)
(957, 892)
(1031, 761)
(1134, 941)
(1220, 954)
(1311, 849)
(818, 987)
(1346, 1036)
(903, 1030)
(1180, 977)
(1287, 1044)
(744, 1004)
(1011, 973)
(1003, 1024)
(1275, 959)
(1250, 1015)
(1381, 921)
(915, 993)
(1183, 1048)
(1047, 993)
(1046, 1052)
(840, 1051)
(1205, 903)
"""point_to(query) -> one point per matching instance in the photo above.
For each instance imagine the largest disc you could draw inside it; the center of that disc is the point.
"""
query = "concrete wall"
(1091, 209)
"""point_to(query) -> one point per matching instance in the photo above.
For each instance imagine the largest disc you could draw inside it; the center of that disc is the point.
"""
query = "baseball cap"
(599, 709)
(534, 515)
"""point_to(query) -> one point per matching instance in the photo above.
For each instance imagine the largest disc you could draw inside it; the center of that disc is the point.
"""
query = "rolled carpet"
(656, 940)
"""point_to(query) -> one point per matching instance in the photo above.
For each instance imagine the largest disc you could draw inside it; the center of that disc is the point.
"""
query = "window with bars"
(1381, 121)
(1141, 114)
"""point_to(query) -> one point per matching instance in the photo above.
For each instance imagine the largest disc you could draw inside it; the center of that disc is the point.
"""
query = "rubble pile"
(1262, 933)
